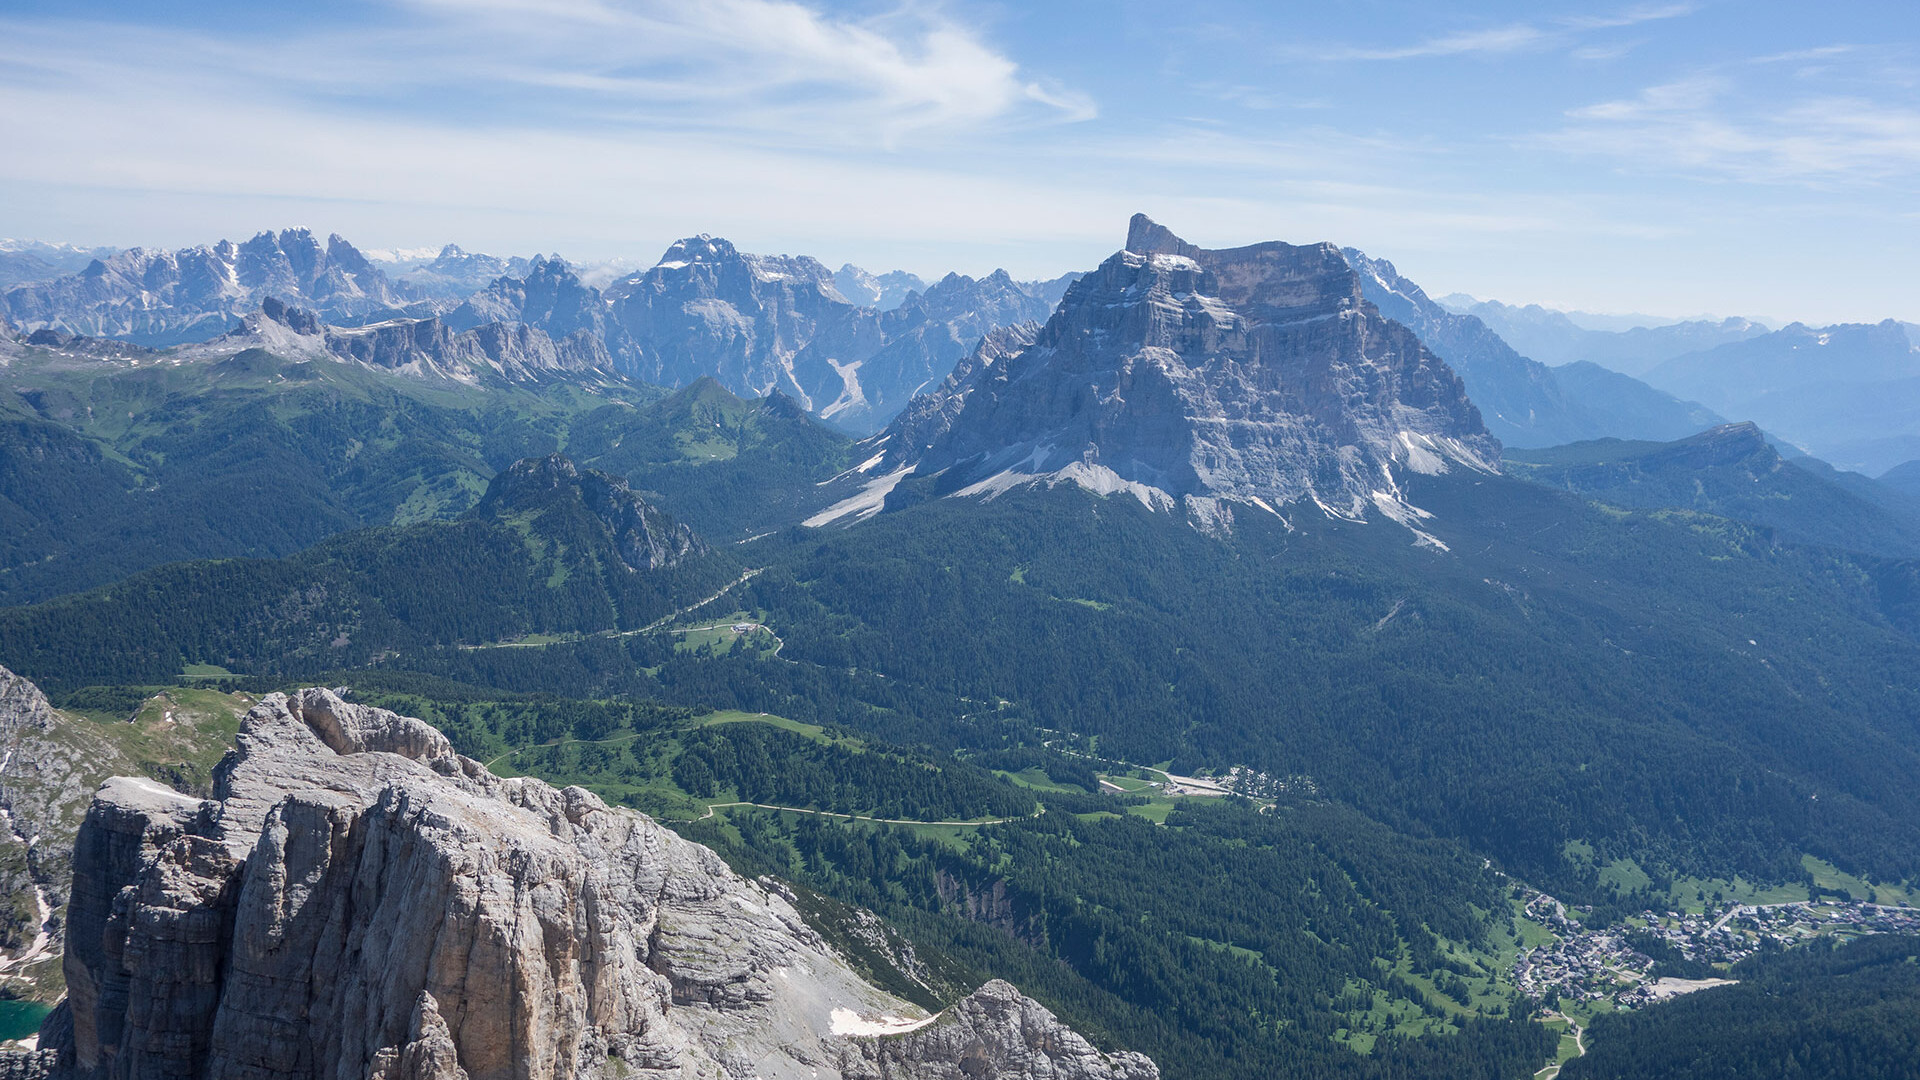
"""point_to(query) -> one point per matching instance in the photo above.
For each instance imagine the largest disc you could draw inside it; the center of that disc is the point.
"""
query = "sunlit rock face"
(358, 900)
(1257, 376)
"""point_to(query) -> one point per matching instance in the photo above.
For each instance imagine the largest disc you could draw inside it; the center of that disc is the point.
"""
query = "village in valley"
(1611, 966)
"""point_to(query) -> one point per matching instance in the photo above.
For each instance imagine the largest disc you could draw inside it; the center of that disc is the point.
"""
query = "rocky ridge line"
(171, 297)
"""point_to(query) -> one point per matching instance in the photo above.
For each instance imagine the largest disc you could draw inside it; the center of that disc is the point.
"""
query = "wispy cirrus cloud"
(1719, 125)
(768, 67)
(911, 69)
(1511, 38)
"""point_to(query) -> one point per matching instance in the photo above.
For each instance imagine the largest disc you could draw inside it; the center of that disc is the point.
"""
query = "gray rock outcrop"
(50, 763)
(359, 901)
(45, 776)
(994, 1032)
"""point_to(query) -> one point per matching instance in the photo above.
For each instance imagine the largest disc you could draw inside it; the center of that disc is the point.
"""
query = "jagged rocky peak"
(548, 294)
(713, 251)
(297, 319)
(357, 899)
(1257, 376)
(883, 292)
(930, 416)
(562, 498)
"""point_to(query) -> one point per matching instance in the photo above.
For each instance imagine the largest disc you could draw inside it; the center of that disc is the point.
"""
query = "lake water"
(19, 1019)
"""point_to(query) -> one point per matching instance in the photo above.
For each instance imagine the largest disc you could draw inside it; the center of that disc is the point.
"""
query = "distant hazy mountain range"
(852, 347)
(1558, 337)
(32, 260)
(1849, 393)
(1733, 472)
(763, 323)
(175, 297)
(1525, 402)
(760, 324)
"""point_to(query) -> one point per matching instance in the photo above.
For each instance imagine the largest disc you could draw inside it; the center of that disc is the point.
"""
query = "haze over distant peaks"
(1524, 402)
(173, 297)
(776, 323)
(883, 292)
(1559, 337)
(1257, 375)
(1848, 393)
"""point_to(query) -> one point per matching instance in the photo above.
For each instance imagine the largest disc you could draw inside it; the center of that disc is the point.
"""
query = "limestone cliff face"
(359, 901)
(50, 762)
(1258, 376)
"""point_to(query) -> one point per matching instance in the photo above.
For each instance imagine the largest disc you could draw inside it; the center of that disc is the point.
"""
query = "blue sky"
(1676, 158)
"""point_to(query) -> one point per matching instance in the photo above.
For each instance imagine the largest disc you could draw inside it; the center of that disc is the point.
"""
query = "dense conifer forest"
(1824, 1010)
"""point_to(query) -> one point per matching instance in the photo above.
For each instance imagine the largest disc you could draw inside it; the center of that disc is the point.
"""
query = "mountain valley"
(1225, 663)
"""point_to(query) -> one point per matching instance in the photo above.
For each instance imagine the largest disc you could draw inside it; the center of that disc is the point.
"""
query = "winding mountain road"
(711, 807)
(1579, 1045)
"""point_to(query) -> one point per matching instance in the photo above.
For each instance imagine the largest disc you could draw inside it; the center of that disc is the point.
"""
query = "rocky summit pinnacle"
(358, 900)
(1258, 376)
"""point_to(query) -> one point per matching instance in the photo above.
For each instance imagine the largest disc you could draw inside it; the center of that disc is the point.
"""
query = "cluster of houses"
(1242, 780)
(1581, 964)
(1589, 964)
(1788, 924)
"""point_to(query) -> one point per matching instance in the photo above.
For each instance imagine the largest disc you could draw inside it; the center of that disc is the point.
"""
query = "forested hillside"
(1565, 673)
(1826, 1010)
(1234, 940)
(110, 467)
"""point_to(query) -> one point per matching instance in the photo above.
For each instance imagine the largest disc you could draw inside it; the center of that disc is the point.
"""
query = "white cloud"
(1499, 39)
(771, 67)
(1602, 53)
(1712, 126)
(1512, 38)
(774, 60)
(1634, 16)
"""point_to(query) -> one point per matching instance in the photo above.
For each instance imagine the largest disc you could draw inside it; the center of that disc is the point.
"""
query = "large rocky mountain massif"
(1259, 376)
(493, 353)
(763, 324)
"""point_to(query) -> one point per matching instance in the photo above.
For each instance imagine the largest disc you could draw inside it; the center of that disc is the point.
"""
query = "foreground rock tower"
(359, 902)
